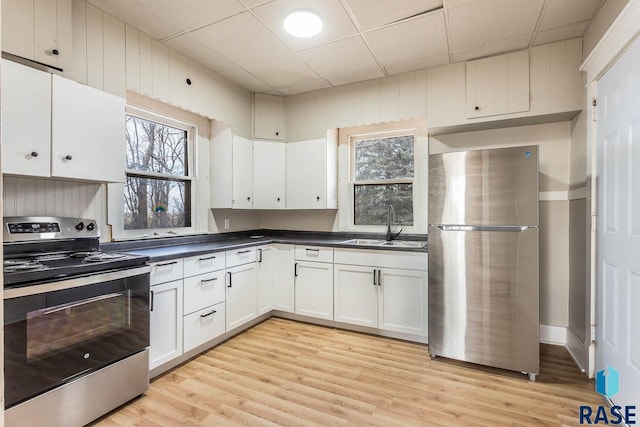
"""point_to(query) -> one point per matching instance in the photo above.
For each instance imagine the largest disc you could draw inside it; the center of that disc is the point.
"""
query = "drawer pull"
(312, 250)
(379, 277)
(208, 314)
(229, 285)
(374, 277)
(295, 270)
(243, 252)
(207, 258)
(208, 280)
(164, 264)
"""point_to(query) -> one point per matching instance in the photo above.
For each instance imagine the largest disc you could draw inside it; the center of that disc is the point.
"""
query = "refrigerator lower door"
(483, 297)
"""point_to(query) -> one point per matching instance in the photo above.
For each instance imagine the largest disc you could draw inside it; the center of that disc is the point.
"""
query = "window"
(382, 174)
(157, 192)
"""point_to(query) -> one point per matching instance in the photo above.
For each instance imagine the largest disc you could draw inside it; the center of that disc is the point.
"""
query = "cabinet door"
(268, 117)
(203, 326)
(307, 174)
(165, 323)
(203, 291)
(266, 267)
(241, 295)
(283, 280)
(242, 172)
(314, 289)
(498, 85)
(402, 305)
(87, 133)
(26, 120)
(356, 295)
(220, 167)
(269, 175)
(17, 28)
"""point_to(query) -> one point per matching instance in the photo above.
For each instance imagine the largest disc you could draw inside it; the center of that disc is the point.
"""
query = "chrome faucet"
(392, 211)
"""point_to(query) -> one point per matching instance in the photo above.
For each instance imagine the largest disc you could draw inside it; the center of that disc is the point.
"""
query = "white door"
(241, 295)
(618, 227)
(269, 175)
(356, 294)
(242, 186)
(266, 264)
(165, 323)
(314, 289)
(403, 301)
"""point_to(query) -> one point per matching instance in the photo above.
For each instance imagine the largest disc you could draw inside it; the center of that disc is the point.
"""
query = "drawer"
(201, 264)
(314, 253)
(240, 256)
(166, 271)
(203, 291)
(382, 259)
(203, 326)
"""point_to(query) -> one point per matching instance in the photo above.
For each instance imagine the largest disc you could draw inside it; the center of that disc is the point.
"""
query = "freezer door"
(484, 187)
(483, 297)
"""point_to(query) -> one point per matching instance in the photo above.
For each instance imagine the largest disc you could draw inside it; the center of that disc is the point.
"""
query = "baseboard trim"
(579, 350)
(556, 335)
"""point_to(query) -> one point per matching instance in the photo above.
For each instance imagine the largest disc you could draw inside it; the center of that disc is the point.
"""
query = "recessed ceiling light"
(303, 23)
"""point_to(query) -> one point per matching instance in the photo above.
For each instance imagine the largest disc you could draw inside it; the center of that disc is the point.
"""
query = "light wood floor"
(286, 373)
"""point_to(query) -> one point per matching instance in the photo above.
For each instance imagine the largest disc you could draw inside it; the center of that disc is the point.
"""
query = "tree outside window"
(157, 193)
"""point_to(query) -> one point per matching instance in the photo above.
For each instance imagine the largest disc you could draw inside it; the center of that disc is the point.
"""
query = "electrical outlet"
(226, 224)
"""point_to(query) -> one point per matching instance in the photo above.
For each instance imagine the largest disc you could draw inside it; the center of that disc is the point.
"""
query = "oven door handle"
(74, 283)
(83, 302)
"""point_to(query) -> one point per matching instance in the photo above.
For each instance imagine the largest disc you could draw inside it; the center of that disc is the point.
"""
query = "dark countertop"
(179, 247)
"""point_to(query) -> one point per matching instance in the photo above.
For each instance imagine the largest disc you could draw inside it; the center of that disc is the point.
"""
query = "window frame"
(380, 134)
(190, 177)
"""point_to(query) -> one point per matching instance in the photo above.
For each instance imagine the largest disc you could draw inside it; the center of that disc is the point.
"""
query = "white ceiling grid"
(244, 40)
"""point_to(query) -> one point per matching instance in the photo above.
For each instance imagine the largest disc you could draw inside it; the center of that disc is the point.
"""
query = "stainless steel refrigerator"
(483, 257)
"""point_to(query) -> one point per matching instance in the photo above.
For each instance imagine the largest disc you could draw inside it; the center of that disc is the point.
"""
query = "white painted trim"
(614, 43)
(579, 350)
(556, 335)
(551, 196)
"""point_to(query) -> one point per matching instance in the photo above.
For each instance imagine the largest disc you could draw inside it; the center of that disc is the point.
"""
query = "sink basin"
(364, 242)
(404, 244)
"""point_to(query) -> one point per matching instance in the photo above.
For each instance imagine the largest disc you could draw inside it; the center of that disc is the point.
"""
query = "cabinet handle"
(313, 250)
(295, 270)
(164, 264)
(229, 285)
(260, 258)
(318, 198)
(278, 199)
(188, 81)
(374, 277)
(379, 277)
(151, 302)
(206, 258)
(477, 108)
(243, 252)
(34, 154)
(67, 157)
(248, 199)
(55, 52)
(208, 314)
(208, 280)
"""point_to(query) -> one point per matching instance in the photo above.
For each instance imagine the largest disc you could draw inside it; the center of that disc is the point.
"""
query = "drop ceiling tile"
(241, 39)
(559, 13)
(501, 46)
(418, 64)
(246, 80)
(136, 14)
(287, 74)
(488, 21)
(576, 29)
(344, 61)
(191, 14)
(200, 52)
(450, 4)
(411, 40)
(254, 3)
(336, 21)
(376, 13)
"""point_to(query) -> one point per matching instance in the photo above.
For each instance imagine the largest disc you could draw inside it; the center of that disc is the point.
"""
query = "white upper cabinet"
(87, 133)
(242, 171)
(498, 85)
(39, 30)
(268, 117)
(26, 120)
(312, 173)
(269, 179)
(231, 170)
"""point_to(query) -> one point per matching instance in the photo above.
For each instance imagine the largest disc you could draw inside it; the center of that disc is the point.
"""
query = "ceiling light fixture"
(303, 23)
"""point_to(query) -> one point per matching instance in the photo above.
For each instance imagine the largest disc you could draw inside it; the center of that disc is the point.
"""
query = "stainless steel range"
(76, 323)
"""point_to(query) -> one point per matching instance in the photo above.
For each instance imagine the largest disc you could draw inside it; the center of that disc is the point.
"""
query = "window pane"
(384, 158)
(372, 203)
(156, 203)
(155, 147)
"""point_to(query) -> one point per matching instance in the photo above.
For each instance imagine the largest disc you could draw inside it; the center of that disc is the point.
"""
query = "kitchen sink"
(364, 242)
(404, 244)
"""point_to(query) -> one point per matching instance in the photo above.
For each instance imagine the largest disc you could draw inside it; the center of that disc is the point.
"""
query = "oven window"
(54, 328)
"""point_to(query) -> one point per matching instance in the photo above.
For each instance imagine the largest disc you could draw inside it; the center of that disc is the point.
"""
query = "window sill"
(157, 235)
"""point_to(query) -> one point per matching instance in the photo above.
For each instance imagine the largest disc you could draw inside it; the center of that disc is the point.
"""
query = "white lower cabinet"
(283, 280)
(241, 295)
(356, 295)
(402, 302)
(313, 273)
(165, 323)
(204, 325)
(204, 310)
(265, 272)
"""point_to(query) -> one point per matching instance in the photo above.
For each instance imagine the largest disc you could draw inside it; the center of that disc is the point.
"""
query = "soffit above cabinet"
(244, 40)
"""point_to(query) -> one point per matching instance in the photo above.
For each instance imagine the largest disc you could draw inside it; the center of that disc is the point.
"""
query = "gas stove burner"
(101, 256)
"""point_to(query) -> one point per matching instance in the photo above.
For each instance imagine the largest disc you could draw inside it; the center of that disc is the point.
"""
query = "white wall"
(601, 23)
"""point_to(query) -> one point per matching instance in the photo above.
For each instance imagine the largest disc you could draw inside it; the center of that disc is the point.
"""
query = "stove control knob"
(91, 226)
(80, 226)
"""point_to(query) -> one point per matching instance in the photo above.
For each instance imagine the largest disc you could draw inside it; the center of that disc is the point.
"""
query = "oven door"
(58, 331)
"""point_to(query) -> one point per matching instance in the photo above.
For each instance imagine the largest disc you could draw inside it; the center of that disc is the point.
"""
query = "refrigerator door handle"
(508, 228)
